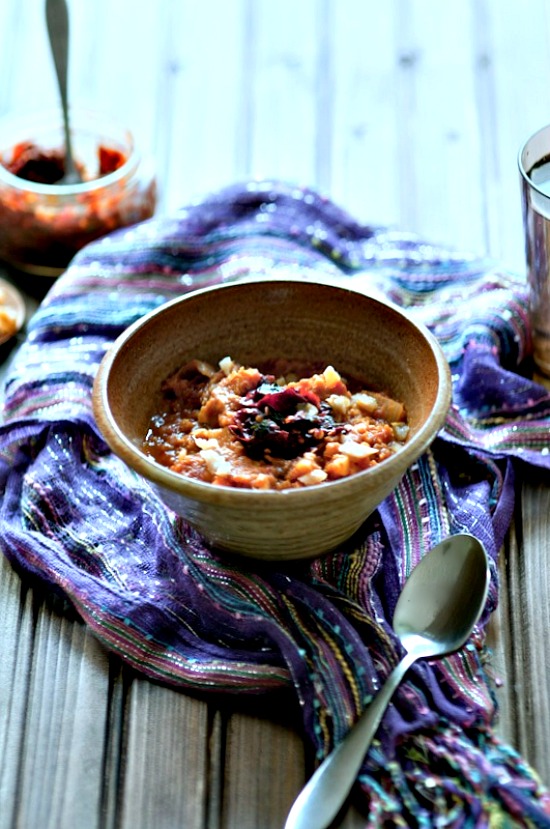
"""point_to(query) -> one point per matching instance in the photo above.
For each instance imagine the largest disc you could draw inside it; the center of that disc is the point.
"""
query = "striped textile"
(73, 517)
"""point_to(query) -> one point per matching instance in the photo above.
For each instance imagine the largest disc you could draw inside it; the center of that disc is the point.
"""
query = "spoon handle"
(57, 21)
(324, 795)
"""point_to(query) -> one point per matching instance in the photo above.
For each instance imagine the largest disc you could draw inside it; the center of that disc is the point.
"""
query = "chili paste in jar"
(242, 427)
(44, 223)
(30, 162)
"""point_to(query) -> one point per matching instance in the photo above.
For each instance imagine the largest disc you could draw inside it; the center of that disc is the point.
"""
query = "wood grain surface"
(407, 113)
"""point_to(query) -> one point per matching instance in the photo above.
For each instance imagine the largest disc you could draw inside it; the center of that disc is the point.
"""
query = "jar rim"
(18, 120)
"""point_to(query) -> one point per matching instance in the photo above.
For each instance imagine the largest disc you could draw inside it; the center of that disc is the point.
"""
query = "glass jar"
(42, 225)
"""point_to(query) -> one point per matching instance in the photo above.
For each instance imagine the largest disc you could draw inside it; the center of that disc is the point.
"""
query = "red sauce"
(31, 163)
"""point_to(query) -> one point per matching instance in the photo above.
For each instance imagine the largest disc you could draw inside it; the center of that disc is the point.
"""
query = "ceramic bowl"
(253, 321)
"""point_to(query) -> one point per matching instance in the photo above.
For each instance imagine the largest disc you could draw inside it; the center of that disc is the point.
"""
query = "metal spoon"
(435, 614)
(57, 20)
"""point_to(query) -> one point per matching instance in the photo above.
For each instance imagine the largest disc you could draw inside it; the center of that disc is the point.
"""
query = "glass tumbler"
(534, 167)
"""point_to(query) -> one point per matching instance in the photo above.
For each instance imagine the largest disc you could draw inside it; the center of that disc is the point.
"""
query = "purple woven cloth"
(75, 518)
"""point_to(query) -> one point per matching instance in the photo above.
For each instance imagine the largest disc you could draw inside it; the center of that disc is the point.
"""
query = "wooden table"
(408, 113)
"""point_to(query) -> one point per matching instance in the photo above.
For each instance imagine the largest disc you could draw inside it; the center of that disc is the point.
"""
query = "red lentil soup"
(286, 426)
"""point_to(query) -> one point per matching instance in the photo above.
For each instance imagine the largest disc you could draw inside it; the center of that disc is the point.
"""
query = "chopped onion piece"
(207, 443)
(316, 476)
(357, 451)
(331, 376)
(226, 365)
(400, 430)
(215, 463)
(308, 410)
(339, 403)
(365, 402)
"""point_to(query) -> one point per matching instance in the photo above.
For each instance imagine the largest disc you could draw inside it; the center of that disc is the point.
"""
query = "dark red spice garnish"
(279, 422)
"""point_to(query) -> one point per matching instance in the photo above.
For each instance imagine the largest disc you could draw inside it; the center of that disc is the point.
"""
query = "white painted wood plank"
(499, 641)
(284, 110)
(365, 133)
(166, 774)
(512, 42)
(518, 635)
(60, 771)
(530, 591)
(10, 26)
(264, 770)
(28, 79)
(438, 125)
(201, 99)
(406, 149)
(117, 57)
(15, 656)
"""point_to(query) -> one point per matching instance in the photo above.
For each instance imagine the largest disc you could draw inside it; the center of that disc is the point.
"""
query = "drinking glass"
(534, 166)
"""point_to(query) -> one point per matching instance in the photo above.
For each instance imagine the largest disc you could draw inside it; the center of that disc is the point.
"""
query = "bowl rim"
(205, 491)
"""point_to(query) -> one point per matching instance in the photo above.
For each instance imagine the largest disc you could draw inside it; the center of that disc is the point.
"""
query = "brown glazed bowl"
(254, 321)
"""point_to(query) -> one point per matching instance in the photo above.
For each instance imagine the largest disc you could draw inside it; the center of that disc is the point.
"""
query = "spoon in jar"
(57, 20)
(438, 607)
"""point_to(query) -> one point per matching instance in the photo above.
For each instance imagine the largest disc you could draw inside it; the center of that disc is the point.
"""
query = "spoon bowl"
(436, 612)
(443, 598)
